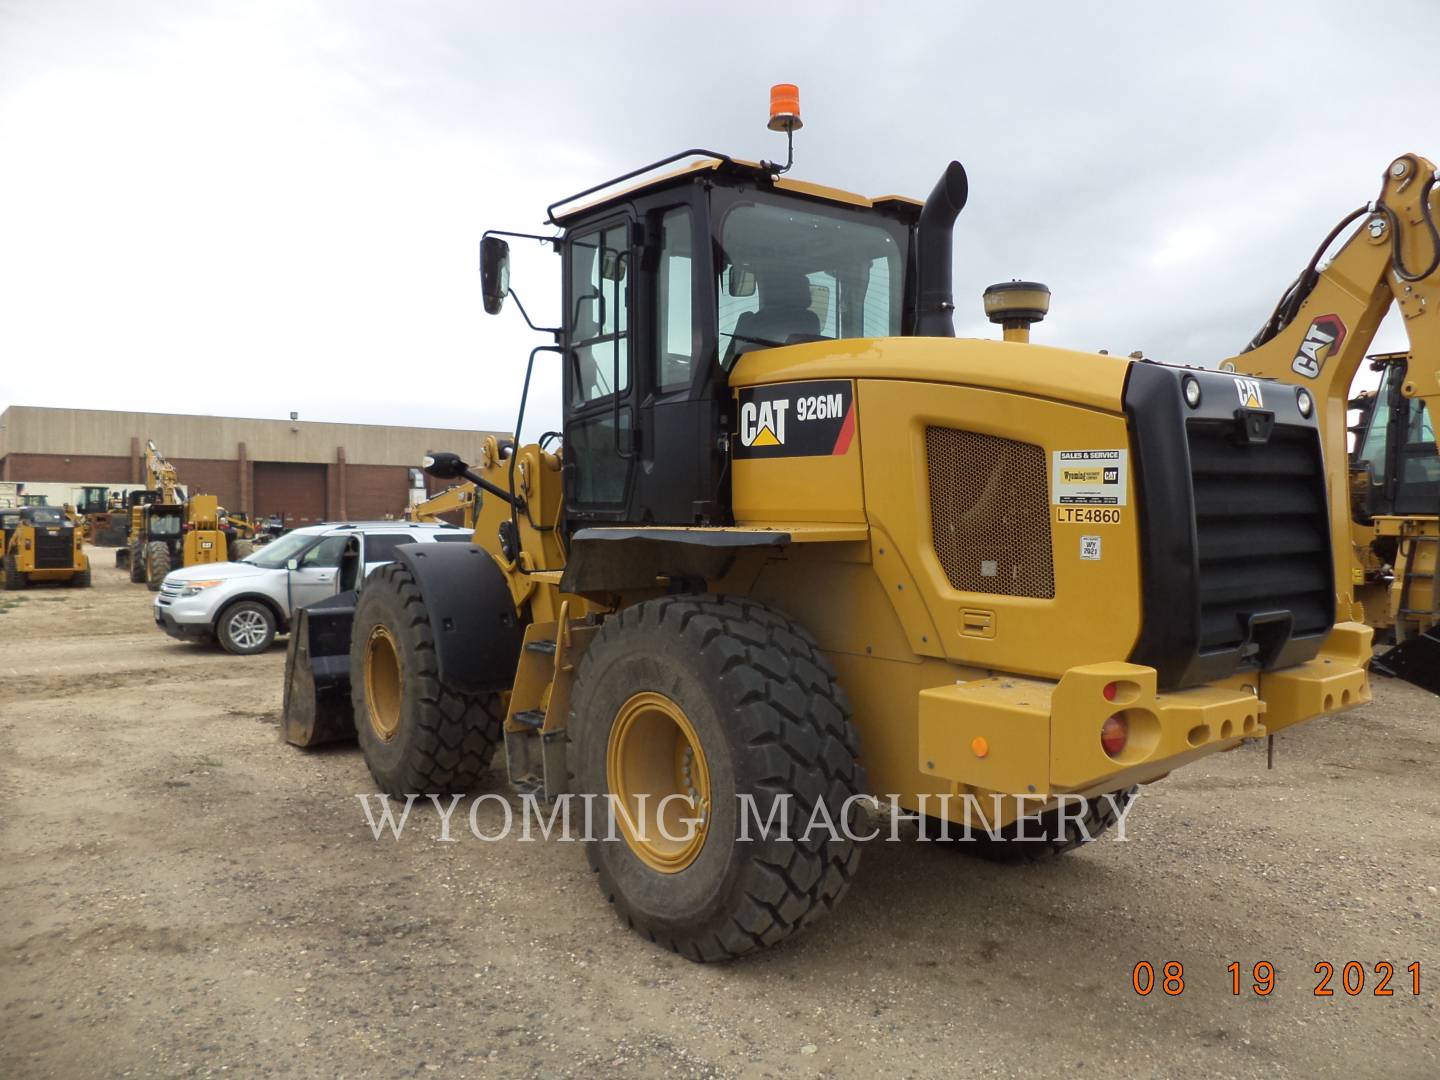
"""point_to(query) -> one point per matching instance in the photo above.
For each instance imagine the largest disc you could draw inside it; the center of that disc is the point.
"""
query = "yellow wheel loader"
(42, 544)
(797, 546)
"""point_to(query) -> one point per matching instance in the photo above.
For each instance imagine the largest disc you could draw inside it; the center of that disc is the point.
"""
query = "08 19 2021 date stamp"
(1351, 978)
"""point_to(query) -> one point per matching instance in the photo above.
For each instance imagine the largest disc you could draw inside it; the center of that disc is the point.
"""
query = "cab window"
(791, 274)
(598, 320)
(673, 309)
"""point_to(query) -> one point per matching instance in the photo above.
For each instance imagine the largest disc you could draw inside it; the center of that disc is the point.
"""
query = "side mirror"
(292, 564)
(494, 273)
(443, 465)
(741, 280)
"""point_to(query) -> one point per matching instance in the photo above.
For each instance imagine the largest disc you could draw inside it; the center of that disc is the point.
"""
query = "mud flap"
(1416, 660)
(317, 673)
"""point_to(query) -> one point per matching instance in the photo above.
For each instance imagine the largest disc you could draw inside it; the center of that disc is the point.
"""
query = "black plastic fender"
(478, 633)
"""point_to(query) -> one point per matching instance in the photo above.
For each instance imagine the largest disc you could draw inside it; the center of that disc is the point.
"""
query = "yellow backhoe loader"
(1385, 495)
(42, 544)
(167, 530)
(801, 546)
(457, 501)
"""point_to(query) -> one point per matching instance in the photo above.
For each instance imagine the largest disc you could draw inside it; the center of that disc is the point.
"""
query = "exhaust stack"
(934, 255)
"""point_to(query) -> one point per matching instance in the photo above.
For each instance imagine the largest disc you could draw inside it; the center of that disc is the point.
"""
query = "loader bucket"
(1416, 660)
(317, 673)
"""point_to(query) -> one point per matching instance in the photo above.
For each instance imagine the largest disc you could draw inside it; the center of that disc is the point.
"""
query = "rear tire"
(240, 549)
(419, 736)
(157, 564)
(771, 722)
(137, 561)
(81, 580)
(14, 579)
(245, 628)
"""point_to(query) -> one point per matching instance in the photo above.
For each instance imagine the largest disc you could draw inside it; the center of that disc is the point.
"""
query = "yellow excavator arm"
(1322, 329)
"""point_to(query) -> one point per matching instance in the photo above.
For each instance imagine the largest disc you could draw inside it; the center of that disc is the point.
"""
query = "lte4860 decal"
(804, 419)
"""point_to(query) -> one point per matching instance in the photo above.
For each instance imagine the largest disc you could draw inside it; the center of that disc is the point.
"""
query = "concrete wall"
(95, 433)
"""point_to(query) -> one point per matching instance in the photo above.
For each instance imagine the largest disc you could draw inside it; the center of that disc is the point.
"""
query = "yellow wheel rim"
(382, 683)
(654, 752)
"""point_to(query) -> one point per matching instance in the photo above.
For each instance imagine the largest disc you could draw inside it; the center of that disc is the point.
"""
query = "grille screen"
(990, 513)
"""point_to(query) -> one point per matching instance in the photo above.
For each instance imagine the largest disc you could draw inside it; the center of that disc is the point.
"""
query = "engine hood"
(217, 572)
(1089, 379)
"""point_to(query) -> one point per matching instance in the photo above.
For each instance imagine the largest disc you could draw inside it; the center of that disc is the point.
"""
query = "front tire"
(245, 628)
(419, 736)
(14, 579)
(137, 562)
(157, 564)
(716, 699)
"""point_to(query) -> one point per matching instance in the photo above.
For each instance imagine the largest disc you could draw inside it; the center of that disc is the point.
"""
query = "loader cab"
(92, 500)
(9, 521)
(1395, 460)
(667, 286)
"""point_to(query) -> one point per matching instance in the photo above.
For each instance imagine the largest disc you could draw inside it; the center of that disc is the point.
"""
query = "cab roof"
(695, 162)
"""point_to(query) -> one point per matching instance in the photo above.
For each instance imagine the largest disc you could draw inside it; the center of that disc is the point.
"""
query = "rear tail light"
(1114, 733)
(1111, 691)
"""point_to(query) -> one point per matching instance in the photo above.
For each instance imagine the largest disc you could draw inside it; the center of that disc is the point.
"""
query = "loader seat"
(784, 316)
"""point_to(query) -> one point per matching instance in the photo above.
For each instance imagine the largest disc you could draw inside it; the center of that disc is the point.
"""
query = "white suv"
(243, 605)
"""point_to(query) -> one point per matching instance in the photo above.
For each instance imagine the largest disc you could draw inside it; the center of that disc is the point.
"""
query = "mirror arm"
(553, 330)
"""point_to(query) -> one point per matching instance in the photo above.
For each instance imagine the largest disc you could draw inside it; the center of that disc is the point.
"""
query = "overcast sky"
(252, 207)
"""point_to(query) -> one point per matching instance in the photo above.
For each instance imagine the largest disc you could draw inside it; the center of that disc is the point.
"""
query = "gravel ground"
(182, 894)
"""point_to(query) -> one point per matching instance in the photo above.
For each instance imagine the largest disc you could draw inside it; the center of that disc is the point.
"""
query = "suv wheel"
(245, 628)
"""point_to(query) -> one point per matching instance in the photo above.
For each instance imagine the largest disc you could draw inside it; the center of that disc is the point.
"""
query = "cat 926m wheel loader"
(797, 544)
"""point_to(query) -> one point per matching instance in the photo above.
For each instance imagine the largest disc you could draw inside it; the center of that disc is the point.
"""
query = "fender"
(478, 633)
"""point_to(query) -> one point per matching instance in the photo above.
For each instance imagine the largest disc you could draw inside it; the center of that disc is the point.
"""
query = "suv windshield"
(274, 555)
(790, 274)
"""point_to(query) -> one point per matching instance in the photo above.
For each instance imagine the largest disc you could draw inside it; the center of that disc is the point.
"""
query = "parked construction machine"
(455, 502)
(168, 530)
(800, 545)
(1395, 498)
(106, 519)
(1385, 495)
(42, 544)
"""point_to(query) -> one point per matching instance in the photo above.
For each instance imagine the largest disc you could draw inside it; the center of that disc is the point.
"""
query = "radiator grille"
(1261, 530)
(990, 513)
(54, 552)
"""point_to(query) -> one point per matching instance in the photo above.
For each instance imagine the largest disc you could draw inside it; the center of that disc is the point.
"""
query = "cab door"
(599, 387)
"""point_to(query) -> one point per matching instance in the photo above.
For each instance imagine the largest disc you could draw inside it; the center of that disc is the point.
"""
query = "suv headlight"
(194, 588)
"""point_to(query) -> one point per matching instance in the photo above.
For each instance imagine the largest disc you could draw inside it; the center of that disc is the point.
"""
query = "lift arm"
(1323, 326)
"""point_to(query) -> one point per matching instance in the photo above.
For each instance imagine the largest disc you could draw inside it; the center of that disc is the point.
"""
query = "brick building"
(304, 470)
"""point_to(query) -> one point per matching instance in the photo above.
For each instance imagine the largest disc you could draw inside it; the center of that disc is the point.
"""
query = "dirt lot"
(181, 894)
